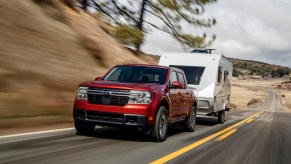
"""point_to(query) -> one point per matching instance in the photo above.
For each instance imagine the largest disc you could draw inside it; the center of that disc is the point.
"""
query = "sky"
(246, 29)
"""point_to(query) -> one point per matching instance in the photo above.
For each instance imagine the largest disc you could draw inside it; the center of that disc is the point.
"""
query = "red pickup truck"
(146, 97)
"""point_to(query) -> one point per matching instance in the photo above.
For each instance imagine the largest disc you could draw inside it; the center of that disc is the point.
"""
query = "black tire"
(159, 132)
(191, 121)
(221, 117)
(84, 128)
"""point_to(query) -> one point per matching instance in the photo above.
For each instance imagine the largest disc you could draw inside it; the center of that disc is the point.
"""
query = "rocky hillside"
(46, 49)
(249, 67)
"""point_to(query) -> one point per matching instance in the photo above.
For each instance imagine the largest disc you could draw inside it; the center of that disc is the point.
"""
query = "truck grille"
(106, 96)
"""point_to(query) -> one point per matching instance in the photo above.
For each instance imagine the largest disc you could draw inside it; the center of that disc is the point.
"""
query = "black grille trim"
(105, 117)
(107, 96)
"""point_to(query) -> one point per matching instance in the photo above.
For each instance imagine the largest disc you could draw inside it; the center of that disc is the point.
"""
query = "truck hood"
(119, 85)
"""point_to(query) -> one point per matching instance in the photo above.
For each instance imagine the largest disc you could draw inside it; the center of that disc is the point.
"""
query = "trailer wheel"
(221, 117)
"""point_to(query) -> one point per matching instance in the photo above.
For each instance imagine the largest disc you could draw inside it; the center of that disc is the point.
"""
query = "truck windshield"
(137, 74)
(193, 74)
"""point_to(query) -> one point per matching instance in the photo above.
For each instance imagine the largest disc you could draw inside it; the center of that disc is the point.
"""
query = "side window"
(173, 77)
(181, 79)
(219, 77)
(226, 75)
(115, 75)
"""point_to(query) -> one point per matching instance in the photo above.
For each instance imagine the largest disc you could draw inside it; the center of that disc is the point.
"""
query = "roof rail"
(204, 51)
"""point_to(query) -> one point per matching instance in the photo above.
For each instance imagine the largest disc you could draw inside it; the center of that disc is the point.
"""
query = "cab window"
(173, 77)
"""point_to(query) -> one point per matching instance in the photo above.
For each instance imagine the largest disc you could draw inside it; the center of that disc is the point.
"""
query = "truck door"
(175, 97)
(185, 95)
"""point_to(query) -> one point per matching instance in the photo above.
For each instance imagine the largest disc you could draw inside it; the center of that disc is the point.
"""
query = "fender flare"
(163, 98)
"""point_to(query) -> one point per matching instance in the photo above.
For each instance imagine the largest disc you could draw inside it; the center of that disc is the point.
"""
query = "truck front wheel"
(160, 128)
(84, 128)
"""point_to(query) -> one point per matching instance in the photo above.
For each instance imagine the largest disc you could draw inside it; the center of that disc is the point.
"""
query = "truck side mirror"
(99, 78)
(176, 85)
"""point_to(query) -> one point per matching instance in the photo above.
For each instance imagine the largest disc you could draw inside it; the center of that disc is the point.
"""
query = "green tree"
(170, 14)
(127, 35)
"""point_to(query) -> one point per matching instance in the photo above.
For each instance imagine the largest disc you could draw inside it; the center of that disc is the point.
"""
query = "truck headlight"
(140, 97)
(82, 93)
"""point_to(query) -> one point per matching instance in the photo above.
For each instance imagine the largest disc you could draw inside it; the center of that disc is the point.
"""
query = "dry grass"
(241, 96)
(264, 83)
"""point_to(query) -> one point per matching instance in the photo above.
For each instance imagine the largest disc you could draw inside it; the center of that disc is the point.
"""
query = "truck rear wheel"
(160, 128)
(84, 128)
(221, 117)
(191, 121)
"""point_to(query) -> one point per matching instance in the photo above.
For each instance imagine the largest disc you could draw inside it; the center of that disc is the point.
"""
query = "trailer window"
(219, 77)
(226, 75)
(193, 74)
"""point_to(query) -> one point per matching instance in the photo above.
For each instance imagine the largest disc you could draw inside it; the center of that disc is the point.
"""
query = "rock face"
(45, 51)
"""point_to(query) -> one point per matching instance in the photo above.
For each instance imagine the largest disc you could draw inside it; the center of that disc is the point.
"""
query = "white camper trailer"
(209, 74)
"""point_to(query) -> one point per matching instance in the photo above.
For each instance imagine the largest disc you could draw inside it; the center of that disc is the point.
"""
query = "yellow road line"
(249, 121)
(225, 135)
(198, 143)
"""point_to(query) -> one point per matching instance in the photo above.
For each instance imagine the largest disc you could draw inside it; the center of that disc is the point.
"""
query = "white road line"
(33, 133)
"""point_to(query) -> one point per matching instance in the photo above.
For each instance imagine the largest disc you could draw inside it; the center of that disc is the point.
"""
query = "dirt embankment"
(46, 49)
(243, 91)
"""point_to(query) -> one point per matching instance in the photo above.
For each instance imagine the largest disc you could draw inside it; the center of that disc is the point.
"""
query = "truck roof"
(145, 65)
(150, 65)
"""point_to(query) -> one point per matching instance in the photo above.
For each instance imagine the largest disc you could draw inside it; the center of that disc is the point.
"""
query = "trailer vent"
(203, 51)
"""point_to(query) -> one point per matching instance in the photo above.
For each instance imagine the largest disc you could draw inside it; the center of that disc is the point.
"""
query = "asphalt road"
(259, 135)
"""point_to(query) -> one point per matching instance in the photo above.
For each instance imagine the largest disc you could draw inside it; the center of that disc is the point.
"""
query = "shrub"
(252, 101)
(283, 71)
(285, 82)
(235, 72)
(232, 105)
